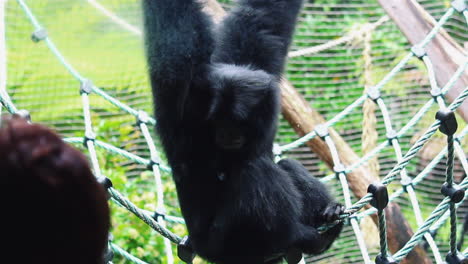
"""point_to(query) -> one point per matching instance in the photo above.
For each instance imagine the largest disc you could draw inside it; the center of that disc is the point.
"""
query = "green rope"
(379, 85)
(463, 160)
(437, 215)
(383, 234)
(118, 151)
(125, 254)
(450, 160)
(6, 102)
(391, 176)
(422, 175)
(50, 44)
(453, 227)
(150, 221)
(449, 182)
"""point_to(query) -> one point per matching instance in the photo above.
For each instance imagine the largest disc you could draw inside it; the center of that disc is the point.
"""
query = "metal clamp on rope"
(349, 217)
(456, 258)
(436, 92)
(142, 118)
(159, 214)
(109, 253)
(277, 150)
(39, 35)
(379, 195)
(106, 183)
(406, 182)
(418, 51)
(384, 260)
(23, 114)
(86, 87)
(453, 191)
(89, 136)
(322, 131)
(185, 251)
(460, 5)
(153, 161)
(338, 169)
(448, 122)
(391, 135)
(373, 93)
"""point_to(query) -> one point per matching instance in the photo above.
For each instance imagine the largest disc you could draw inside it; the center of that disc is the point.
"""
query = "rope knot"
(448, 122)
(39, 35)
(185, 251)
(453, 191)
(379, 195)
(86, 87)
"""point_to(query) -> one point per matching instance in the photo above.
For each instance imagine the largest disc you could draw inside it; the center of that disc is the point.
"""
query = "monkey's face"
(229, 136)
(240, 97)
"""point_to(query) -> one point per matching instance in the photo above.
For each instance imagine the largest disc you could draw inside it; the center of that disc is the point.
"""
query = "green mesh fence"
(98, 45)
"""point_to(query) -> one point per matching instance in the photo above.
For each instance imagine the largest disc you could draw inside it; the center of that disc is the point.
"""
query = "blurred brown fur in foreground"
(54, 210)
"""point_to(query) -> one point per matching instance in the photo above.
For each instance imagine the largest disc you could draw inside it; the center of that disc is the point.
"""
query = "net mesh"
(109, 51)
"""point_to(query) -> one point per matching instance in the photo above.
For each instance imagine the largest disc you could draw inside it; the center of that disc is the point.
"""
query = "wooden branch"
(304, 119)
(444, 52)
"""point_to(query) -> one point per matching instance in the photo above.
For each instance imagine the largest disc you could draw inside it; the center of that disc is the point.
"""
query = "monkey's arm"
(258, 33)
(178, 42)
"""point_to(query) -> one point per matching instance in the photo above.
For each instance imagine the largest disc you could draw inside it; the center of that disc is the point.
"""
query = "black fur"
(217, 102)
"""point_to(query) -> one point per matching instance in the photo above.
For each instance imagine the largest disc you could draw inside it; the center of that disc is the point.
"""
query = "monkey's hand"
(332, 212)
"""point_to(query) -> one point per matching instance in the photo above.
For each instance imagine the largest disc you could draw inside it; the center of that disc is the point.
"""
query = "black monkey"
(216, 101)
(54, 209)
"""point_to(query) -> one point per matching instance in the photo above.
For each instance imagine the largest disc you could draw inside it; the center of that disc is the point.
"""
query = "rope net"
(84, 75)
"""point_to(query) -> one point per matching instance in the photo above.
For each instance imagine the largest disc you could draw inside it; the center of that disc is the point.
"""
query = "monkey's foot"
(293, 256)
(333, 212)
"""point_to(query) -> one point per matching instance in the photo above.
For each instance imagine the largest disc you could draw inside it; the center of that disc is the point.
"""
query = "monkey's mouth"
(231, 144)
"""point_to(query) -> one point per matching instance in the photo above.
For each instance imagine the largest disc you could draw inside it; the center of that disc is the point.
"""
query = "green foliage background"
(114, 60)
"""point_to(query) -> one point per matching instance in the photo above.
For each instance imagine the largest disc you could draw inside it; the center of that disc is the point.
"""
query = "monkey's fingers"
(333, 212)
